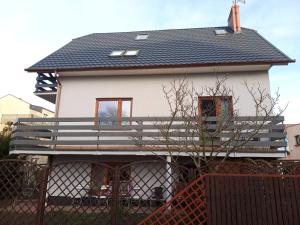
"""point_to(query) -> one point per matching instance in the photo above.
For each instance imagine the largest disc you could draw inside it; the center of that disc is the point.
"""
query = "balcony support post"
(169, 178)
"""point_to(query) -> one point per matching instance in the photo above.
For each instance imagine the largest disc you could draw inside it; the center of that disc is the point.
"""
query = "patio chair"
(78, 200)
(100, 196)
(135, 198)
(124, 191)
(157, 196)
(28, 192)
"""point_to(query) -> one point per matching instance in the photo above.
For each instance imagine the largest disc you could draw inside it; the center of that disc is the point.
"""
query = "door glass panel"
(126, 108)
(225, 108)
(208, 108)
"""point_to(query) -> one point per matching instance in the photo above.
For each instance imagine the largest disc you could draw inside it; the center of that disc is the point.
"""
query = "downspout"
(56, 113)
(57, 100)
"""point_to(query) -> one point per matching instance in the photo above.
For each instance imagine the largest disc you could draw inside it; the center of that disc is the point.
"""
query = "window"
(215, 106)
(117, 53)
(297, 137)
(220, 32)
(102, 175)
(141, 37)
(120, 53)
(113, 108)
(131, 52)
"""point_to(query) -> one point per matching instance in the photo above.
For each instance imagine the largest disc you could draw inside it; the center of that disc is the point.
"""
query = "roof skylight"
(131, 52)
(220, 32)
(117, 53)
(141, 37)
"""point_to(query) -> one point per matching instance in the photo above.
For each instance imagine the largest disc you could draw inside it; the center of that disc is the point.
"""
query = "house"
(293, 137)
(121, 75)
(12, 107)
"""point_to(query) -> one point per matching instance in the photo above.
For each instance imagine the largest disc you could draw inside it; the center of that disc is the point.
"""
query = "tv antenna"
(236, 1)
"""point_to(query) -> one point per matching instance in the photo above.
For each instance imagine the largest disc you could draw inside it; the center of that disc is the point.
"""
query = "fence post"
(42, 197)
(115, 194)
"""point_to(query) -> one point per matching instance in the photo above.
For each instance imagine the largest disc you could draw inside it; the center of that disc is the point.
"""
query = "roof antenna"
(236, 1)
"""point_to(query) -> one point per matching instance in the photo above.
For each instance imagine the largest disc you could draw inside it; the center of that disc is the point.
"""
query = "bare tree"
(211, 131)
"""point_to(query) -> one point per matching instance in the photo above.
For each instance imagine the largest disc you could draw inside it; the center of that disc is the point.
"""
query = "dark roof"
(177, 47)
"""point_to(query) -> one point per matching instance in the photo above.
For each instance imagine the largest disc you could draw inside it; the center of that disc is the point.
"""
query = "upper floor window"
(212, 106)
(113, 108)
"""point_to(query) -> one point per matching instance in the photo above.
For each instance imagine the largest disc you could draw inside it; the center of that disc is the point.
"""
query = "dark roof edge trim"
(280, 62)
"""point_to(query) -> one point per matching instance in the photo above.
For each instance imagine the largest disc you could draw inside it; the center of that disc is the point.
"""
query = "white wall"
(78, 96)
(69, 179)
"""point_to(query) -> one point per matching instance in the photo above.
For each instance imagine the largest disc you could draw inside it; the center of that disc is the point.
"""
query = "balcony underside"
(48, 96)
(134, 151)
(46, 86)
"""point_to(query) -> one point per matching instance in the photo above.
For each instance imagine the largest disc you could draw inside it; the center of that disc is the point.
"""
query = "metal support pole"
(42, 197)
(169, 178)
(115, 199)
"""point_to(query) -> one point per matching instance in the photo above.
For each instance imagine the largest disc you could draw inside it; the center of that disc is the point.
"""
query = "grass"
(69, 218)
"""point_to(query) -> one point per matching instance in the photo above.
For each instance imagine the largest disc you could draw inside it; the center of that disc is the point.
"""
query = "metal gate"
(152, 184)
(85, 192)
(20, 192)
(75, 194)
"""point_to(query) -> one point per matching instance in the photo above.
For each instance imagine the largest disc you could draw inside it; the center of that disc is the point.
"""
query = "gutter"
(72, 69)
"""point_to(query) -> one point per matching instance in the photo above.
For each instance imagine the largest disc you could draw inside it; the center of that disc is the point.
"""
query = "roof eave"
(50, 70)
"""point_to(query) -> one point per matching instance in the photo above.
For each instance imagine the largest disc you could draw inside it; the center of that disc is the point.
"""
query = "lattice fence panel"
(188, 207)
(19, 192)
(77, 194)
(145, 186)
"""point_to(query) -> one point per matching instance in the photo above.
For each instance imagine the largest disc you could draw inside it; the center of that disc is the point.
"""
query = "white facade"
(79, 93)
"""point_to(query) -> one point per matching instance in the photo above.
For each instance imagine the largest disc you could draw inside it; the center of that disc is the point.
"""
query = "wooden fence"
(253, 199)
(233, 199)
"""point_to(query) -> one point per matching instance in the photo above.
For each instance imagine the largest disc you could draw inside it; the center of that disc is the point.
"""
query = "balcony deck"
(141, 135)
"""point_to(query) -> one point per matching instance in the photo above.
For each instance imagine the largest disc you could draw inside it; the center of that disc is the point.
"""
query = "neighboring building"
(293, 136)
(121, 75)
(12, 108)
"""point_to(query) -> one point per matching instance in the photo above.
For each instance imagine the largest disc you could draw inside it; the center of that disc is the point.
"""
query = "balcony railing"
(154, 133)
(46, 86)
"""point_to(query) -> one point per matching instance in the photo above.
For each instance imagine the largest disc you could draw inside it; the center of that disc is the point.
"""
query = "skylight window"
(141, 37)
(220, 32)
(117, 53)
(131, 52)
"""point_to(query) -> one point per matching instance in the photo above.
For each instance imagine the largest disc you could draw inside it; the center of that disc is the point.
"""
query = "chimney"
(234, 18)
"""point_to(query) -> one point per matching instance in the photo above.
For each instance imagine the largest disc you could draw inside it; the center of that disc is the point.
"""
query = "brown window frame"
(119, 111)
(217, 101)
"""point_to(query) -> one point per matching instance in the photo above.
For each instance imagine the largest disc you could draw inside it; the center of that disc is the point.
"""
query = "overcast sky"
(32, 29)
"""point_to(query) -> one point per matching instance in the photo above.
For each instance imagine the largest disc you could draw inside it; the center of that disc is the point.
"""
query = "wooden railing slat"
(146, 131)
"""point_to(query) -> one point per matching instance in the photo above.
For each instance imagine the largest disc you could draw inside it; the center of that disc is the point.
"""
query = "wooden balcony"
(161, 134)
